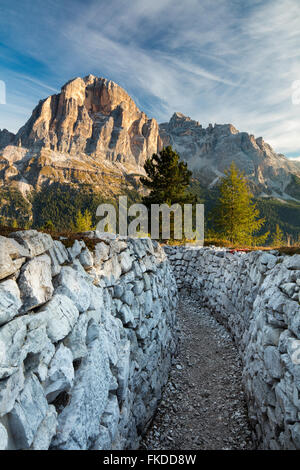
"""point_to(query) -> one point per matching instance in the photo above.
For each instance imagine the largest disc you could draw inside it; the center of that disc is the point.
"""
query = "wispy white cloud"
(37, 83)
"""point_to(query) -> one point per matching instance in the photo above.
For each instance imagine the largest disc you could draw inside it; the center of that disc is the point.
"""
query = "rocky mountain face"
(92, 116)
(92, 132)
(210, 151)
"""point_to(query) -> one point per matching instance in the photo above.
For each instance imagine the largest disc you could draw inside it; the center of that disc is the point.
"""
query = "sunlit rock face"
(94, 116)
(93, 133)
(210, 151)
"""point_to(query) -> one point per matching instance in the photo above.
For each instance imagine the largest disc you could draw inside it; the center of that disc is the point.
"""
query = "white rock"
(111, 415)
(125, 261)
(60, 315)
(35, 242)
(86, 259)
(76, 340)
(3, 438)
(29, 411)
(76, 249)
(101, 254)
(103, 441)
(12, 256)
(61, 373)
(46, 430)
(9, 391)
(35, 282)
(12, 338)
(10, 301)
(123, 370)
(74, 285)
(78, 423)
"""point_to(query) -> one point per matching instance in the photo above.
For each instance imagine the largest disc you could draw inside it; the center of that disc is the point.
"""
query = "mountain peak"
(94, 116)
(93, 123)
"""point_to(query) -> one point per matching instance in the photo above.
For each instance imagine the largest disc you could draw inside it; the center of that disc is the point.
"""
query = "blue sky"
(213, 60)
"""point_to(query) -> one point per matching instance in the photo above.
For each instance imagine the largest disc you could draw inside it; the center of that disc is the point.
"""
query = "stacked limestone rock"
(86, 340)
(256, 295)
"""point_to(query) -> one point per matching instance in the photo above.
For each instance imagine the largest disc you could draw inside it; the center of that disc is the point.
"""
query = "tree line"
(235, 216)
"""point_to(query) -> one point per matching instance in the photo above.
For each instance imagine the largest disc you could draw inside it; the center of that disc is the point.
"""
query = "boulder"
(101, 254)
(9, 391)
(60, 315)
(78, 423)
(86, 259)
(74, 285)
(3, 438)
(76, 249)
(111, 416)
(46, 430)
(125, 261)
(12, 256)
(36, 243)
(29, 410)
(60, 374)
(35, 282)
(12, 339)
(10, 301)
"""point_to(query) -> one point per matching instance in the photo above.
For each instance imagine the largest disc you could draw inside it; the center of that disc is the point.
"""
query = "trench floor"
(203, 405)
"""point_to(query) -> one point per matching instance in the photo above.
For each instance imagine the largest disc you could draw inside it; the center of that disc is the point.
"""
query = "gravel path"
(203, 404)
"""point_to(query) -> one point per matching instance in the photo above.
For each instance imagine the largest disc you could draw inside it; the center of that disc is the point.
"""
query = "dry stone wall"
(256, 296)
(86, 340)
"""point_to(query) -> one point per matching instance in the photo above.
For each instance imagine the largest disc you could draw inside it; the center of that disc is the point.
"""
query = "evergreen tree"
(49, 226)
(83, 221)
(236, 215)
(278, 237)
(167, 179)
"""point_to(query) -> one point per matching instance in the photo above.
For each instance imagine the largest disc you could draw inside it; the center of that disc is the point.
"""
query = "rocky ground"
(203, 405)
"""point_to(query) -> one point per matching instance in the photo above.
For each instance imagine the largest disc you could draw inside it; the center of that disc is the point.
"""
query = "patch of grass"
(68, 237)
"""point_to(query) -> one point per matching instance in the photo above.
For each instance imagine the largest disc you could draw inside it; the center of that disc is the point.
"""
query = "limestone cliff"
(92, 132)
(210, 151)
(94, 116)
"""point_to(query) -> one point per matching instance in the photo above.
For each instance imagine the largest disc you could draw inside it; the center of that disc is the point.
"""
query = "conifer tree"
(167, 179)
(278, 237)
(49, 226)
(83, 222)
(236, 215)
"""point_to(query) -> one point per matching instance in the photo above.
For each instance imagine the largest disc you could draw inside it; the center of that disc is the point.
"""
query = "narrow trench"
(203, 405)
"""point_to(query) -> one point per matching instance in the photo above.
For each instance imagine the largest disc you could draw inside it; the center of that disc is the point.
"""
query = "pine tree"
(49, 226)
(278, 237)
(167, 179)
(83, 222)
(236, 215)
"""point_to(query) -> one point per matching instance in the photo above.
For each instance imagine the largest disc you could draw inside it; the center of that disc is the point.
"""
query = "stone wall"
(256, 296)
(86, 340)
